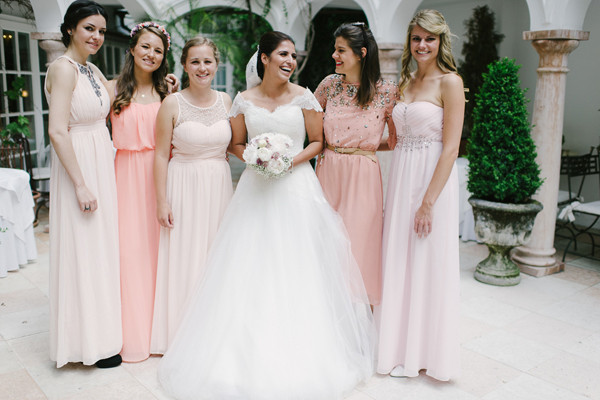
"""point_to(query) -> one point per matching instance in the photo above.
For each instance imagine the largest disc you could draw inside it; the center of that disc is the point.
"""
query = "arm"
(238, 136)
(165, 121)
(62, 79)
(453, 99)
(389, 142)
(313, 122)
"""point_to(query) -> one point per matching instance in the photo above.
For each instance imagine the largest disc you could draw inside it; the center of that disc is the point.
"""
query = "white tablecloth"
(17, 241)
(466, 228)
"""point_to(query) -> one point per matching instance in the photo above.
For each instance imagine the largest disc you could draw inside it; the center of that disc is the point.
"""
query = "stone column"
(52, 44)
(389, 55)
(537, 257)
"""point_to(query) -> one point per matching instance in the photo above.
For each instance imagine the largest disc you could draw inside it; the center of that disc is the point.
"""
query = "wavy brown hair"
(432, 21)
(126, 83)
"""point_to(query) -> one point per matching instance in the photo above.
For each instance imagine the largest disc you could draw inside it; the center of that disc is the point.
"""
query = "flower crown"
(147, 24)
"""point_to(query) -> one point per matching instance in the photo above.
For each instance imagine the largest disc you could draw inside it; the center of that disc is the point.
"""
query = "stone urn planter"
(502, 226)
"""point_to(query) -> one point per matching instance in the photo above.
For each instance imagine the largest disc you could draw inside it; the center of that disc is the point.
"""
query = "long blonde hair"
(432, 21)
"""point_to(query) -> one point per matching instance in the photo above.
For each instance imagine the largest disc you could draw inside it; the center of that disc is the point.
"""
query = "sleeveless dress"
(352, 183)
(419, 312)
(199, 188)
(276, 316)
(84, 291)
(134, 138)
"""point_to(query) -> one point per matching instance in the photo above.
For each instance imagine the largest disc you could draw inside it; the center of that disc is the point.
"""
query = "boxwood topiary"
(501, 152)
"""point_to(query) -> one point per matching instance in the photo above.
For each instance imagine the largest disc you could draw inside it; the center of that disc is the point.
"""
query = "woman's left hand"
(423, 221)
(172, 83)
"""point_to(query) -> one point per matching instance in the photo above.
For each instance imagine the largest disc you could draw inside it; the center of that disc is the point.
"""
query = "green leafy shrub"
(501, 152)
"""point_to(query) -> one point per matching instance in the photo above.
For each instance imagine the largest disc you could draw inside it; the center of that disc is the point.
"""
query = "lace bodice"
(205, 115)
(286, 119)
(200, 133)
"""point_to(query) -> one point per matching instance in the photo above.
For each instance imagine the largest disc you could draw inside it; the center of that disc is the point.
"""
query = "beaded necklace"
(87, 71)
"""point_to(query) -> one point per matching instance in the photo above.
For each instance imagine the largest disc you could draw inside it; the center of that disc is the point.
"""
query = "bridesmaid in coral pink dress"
(357, 105)
(193, 188)
(136, 97)
(419, 311)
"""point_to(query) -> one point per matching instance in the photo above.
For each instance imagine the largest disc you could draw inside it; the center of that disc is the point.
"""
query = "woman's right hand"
(165, 216)
(87, 201)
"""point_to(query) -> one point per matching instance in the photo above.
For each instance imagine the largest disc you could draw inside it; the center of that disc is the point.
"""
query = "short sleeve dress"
(352, 183)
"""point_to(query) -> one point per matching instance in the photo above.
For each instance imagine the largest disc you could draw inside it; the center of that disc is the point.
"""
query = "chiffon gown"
(198, 190)
(352, 183)
(282, 312)
(134, 138)
(419, 312)
(84, 292)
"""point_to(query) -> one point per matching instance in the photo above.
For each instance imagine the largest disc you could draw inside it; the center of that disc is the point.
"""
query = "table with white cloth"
(17, 241)
(466, 228)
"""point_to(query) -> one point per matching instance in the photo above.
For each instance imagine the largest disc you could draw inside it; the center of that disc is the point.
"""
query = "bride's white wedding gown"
(282, 312)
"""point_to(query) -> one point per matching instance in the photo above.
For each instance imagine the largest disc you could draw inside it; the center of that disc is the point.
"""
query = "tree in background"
(479, 50)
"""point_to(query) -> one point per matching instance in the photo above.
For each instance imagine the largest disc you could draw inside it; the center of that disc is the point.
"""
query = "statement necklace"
(87, 71)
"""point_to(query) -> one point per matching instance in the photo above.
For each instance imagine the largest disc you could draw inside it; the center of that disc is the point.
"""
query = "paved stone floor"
(539, 340)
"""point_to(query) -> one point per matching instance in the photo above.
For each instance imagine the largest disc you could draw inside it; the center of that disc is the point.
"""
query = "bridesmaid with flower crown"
(136, 96)
(357, 105)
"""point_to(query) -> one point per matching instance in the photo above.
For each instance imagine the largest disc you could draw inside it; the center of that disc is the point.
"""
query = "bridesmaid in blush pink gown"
(193, 188)
(84, 296)
(357, 105)
(419, 311)
(136, 97)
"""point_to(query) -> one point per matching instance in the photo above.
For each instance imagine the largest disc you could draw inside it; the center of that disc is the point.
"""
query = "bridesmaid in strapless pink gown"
(419, 312)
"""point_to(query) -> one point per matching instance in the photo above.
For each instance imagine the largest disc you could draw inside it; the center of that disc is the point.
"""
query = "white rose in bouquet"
(264, 154)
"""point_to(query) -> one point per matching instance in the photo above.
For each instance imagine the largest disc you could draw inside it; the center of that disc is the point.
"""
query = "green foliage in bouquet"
(501, 152)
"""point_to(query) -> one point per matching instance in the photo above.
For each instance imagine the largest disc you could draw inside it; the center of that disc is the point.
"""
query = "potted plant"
(503, 173)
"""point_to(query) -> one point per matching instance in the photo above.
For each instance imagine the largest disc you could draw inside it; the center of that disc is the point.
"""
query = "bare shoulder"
(63, 71)
(452, 81)
(170, 102)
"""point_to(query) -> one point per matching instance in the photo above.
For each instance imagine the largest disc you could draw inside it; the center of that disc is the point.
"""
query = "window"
(19, 58)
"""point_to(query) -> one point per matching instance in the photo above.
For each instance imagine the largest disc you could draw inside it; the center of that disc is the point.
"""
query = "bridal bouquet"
(269, 154)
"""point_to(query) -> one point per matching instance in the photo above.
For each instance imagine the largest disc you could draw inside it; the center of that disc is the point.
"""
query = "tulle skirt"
(282, 312)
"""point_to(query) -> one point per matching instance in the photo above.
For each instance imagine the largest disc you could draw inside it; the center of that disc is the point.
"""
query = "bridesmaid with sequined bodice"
(419, 311)
(357, 105)
(193, 185)
(84, 292)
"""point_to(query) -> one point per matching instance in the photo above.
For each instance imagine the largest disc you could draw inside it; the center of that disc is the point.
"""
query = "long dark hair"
(126, 83)
(358, 35)
(78, 10)
(268, 43)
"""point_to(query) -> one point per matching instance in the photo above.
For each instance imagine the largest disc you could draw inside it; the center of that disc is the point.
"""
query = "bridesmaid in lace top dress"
(193, 188)
(135, 97)
(357, 105)
(419, 311)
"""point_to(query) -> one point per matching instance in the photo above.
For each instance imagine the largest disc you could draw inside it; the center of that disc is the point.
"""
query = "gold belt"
(370, 154)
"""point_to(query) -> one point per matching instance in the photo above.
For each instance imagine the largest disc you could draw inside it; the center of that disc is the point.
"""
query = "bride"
(282, 312)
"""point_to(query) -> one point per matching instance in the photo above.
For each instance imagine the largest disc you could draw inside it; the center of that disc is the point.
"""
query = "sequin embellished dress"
(199, 188)
(84, 290)
(278, 315)
(419, 312)
(134, 138)
(352, 183)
